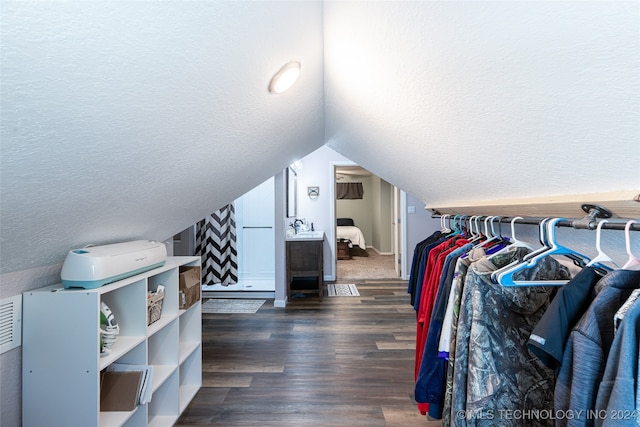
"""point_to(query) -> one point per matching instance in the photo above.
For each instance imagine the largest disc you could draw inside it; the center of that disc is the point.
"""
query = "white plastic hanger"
(483, 237)
(443, 225)
(476, 236)
(492, 236)
(514, 242)
(633, 262)
(601, 257)
(505, 277)
(478, 233)
(542, 237)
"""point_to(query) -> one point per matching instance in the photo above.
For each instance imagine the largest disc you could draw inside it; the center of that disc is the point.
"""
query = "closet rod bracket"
(594, 212)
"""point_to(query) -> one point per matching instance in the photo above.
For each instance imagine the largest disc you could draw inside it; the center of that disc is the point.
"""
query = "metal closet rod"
(578, 223)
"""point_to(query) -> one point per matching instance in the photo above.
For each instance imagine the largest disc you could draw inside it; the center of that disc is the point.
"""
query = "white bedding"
(351, 233)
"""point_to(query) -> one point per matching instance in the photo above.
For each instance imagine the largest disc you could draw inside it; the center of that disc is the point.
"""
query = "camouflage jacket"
(496, 380)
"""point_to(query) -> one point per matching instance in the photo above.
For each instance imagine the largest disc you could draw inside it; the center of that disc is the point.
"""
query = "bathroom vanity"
(305, 264)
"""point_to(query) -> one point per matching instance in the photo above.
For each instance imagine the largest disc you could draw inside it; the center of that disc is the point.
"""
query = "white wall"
(316, 172)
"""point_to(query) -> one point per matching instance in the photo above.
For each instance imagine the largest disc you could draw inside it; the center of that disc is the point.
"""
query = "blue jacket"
(619, 393)
(588, 347)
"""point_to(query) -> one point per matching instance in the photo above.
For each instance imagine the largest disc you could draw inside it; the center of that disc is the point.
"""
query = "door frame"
(331, 232)
(400, 231)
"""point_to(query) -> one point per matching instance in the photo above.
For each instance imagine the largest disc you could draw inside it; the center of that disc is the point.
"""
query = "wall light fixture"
(285, 77)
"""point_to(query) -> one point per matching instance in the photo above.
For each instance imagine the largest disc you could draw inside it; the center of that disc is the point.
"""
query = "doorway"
(375, 219)
(255, 242)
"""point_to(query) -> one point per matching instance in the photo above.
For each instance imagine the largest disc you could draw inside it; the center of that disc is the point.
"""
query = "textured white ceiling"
(135, 119)
(459, 101)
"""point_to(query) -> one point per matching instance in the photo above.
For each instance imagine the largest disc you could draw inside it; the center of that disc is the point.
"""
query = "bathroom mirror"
(291, 192)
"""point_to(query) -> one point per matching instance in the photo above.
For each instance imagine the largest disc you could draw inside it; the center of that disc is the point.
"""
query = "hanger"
(499, 232)
(505, 278)
(489, 233)
(633, 262)
(479, 235)
(461, 229)
(454, 231)
(601, 257)
(513, 242)
(476, 236)
(495, 237)
(472, 232)
(482, 237)
(443, 226)
(485, 237)
(542, 238)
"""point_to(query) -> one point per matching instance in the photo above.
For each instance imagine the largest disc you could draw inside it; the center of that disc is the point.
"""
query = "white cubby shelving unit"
(61, 360)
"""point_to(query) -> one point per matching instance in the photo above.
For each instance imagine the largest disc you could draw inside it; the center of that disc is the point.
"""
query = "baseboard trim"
(378, 252)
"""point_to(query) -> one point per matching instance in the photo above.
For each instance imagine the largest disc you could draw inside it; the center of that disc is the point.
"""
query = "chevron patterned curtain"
(216, 245)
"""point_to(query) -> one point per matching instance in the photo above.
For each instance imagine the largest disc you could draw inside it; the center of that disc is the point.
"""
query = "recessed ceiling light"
(285, 77)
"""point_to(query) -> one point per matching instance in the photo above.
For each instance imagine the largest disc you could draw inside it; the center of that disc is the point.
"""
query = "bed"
(346, 230)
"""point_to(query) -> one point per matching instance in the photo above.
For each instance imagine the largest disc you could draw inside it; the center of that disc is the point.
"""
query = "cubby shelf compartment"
(61, 357)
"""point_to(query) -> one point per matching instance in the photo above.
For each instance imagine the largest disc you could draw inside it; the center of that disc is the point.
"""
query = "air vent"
(10, 321)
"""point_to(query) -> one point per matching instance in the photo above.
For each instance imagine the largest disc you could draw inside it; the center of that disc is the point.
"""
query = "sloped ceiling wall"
(135, 119)
(460, 101)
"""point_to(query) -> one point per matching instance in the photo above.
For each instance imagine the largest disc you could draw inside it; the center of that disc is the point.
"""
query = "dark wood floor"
(345, 361)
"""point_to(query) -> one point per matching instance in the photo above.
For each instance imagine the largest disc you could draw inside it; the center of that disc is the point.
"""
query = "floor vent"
(10, 322)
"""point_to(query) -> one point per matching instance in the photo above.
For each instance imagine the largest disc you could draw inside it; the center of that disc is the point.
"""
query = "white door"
(256, 238)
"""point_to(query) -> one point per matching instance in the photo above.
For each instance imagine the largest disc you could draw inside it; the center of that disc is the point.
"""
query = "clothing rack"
(620, 204)
(590, 222)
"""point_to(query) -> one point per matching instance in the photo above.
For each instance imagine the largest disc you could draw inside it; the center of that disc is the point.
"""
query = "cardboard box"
(119, 390)
(189, 287)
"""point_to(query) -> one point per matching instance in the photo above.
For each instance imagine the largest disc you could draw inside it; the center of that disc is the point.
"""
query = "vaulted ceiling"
(135, 119)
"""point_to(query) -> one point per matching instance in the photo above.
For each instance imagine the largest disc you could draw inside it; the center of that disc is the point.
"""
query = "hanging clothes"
(419, 262)
(588, 346)
(493, 369)
(435, 263)
(485, 351)
(432, 374)
(619, 390)
(455, 298)
(216, 246)
(548, 339)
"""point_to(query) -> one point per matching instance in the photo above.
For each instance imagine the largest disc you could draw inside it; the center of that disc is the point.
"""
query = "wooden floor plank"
(345, 361)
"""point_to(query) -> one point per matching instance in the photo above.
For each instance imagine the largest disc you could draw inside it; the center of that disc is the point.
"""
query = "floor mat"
(217, 305)
(342, 290)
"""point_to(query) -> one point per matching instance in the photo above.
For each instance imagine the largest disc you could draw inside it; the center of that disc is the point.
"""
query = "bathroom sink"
(308, 235)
